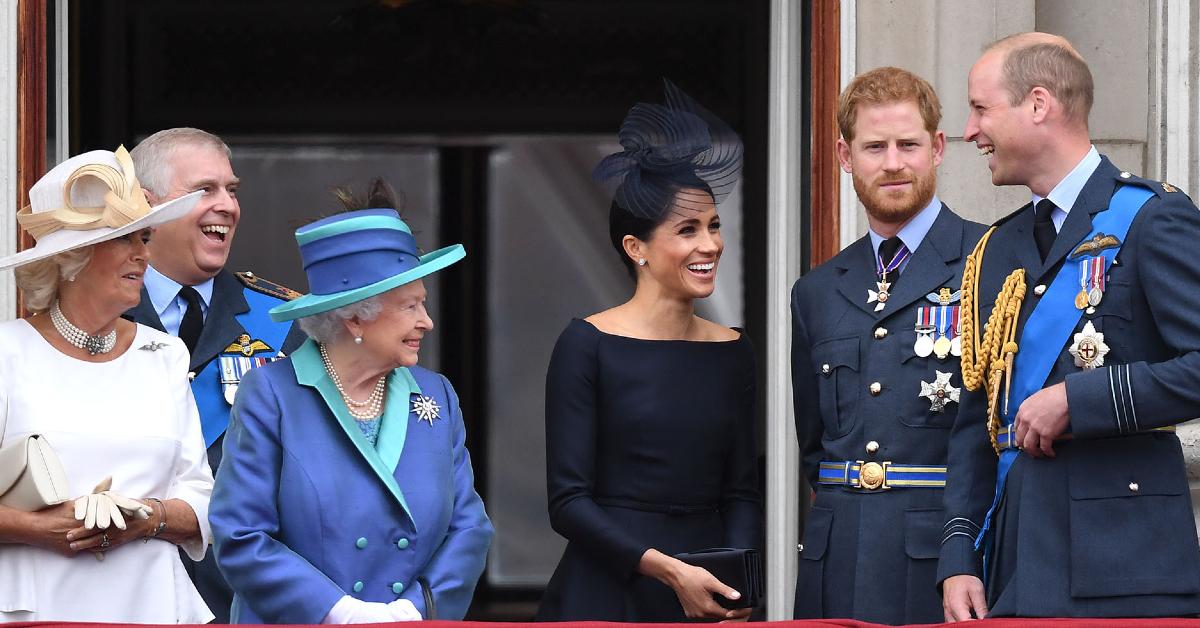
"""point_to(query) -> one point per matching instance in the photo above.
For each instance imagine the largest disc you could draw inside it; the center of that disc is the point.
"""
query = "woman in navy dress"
(650, 408)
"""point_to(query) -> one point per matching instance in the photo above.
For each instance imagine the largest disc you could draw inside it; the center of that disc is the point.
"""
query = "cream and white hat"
(88, 199)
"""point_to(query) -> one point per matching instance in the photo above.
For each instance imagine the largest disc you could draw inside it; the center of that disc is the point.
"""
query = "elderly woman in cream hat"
(112, 399)
(345, 493)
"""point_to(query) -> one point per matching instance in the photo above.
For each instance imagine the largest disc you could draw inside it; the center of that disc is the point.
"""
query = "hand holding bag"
(741, 569)
(31, 476)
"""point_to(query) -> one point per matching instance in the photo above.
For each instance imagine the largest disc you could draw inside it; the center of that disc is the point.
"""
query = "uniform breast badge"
(1091, 282)
(938, 327)
(1088, 347)
(940, 392)
(879, 296)
(426, 409)
(238, 358)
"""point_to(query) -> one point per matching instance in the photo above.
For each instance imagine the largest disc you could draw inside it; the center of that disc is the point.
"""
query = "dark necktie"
(887, 253)
(193, 318)
(1043, 227)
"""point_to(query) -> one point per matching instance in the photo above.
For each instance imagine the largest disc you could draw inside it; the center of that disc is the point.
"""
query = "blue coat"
(871, 555)
(1105, 528)
(305, 510)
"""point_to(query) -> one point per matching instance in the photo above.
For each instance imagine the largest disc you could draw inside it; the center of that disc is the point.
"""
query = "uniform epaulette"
(1160, 188)
(258, 284)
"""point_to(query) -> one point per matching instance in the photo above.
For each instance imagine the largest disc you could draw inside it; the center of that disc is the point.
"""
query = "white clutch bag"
(31, 476)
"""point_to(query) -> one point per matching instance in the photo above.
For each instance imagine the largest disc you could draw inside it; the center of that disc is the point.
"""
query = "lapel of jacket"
(1093, 198)
(931, 265)
(1023, 246)
(310, 371)
(144, 313)
(393, 426)
(857, 276)
(221, 326)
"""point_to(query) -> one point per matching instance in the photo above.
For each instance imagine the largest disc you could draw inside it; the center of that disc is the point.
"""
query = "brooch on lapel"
(153, 346)
(426, 409)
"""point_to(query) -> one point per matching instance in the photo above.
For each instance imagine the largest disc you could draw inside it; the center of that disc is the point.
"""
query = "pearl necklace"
(79, 338)
(360, 410)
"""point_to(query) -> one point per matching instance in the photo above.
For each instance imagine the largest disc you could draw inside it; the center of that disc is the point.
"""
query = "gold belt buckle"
(872, 475)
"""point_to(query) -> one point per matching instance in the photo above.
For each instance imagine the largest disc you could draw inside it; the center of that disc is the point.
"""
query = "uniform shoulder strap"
(258, 284)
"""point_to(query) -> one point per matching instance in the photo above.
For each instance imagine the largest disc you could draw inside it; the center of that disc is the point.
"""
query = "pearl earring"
(642, 262)
(358, 340)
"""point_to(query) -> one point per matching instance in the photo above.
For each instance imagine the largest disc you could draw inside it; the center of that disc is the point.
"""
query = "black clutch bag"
(739, 568)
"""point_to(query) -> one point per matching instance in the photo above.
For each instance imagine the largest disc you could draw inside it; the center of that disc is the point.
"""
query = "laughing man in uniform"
(1065, 471)
(221, 316)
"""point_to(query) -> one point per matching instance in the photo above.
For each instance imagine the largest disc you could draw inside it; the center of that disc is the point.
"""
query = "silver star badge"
(426, 409)
(1088, 348)
(153, 346)
(940, 392)
(879, 297)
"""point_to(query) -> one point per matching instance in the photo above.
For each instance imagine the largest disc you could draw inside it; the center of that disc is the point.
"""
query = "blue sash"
(1053, 320)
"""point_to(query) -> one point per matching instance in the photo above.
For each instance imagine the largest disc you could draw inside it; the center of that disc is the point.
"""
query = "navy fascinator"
(669, 148)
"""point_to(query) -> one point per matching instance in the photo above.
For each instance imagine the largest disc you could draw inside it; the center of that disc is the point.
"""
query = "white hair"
(39, 280)
(329, 328)
(152, 156)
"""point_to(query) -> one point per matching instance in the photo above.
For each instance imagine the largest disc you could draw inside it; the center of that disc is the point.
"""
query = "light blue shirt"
(912, 233)
(1067, 191)
(164, 296)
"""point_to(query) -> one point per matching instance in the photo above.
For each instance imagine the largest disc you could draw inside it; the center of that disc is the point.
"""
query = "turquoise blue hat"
(357, 255)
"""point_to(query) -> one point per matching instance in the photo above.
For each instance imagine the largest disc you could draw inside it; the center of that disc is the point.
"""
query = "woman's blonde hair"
(39, 280)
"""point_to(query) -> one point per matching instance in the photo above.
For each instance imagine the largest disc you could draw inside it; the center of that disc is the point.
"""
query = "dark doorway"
(465, 105)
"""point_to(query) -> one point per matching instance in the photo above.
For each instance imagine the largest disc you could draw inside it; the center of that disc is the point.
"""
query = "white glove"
(404, 610)
(104, 507)
(349, 610)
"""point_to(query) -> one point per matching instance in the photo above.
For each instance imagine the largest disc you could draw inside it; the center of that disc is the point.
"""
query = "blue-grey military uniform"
(1104, 528)
(870, 553)
(237, 327)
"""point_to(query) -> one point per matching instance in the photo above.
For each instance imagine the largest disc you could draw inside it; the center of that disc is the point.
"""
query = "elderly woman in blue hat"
(346, 493)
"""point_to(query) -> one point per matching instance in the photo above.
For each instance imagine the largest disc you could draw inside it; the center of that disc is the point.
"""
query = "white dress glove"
(404, 610)
(103, 507)
(349, 610)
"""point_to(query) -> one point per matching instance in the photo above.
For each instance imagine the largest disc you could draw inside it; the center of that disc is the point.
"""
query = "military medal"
(238, 358)
(923, 346)
(941, 346)
(880, 296)
(940, 392)
(1088, 347)
(956, 339)
(1096, 282)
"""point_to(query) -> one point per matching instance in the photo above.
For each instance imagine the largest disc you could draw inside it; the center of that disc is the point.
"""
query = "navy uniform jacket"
(236, 309)
(1105, 528)
(870, 555)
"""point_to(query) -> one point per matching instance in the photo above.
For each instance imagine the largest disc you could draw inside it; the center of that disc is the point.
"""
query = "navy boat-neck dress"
(649, 444)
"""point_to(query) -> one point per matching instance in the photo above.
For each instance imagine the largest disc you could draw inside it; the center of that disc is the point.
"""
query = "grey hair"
(328, 328)
(152, 156)
(39, 280)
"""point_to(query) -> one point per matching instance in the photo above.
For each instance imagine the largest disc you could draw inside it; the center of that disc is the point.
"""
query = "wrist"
(158, 518)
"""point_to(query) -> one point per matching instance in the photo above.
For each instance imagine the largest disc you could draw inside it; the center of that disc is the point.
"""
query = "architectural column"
(8, 151)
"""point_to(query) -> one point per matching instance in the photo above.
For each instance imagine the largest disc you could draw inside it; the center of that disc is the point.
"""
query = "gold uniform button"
(1133, 486)
(824, 369)
(872, 447)
(880, 333)
(876, 388)
(1039, 290)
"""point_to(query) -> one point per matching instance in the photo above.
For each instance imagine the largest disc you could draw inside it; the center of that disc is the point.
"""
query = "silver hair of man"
(329, 327)
(152, 156)
(39, 280)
